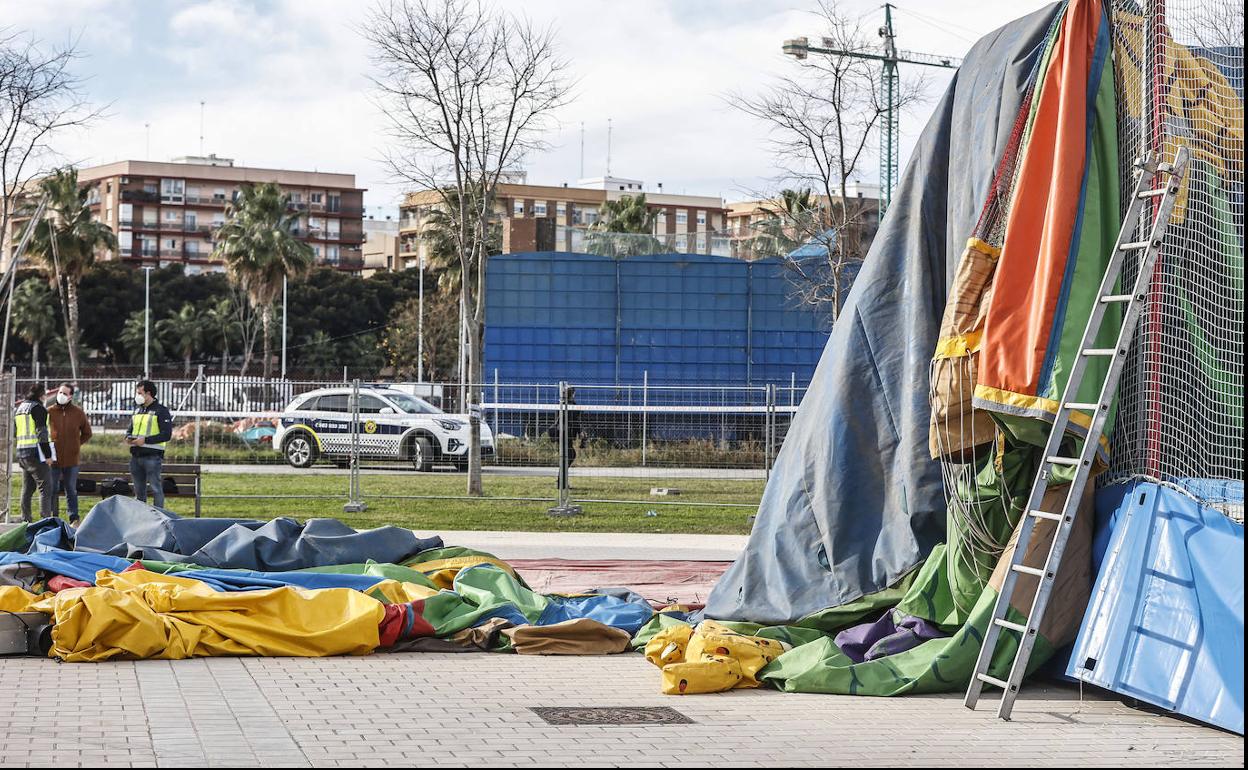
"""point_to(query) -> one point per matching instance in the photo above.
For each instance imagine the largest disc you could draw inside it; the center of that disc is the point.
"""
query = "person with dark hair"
(151, 427)
(70, 428)
(33, 450)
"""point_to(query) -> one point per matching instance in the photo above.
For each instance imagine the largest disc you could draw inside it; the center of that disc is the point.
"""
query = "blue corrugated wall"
(683, 318)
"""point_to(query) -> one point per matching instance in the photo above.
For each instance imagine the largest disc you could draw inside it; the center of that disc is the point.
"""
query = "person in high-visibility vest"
(34, 451)
(151, 427)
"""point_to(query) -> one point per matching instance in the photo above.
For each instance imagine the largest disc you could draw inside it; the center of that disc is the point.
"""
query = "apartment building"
(381, 245)
(682, 222)
(745, 218)
(166, 213)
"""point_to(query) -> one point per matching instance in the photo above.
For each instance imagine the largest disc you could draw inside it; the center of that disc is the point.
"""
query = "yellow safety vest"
(145, 424)
(24, 430)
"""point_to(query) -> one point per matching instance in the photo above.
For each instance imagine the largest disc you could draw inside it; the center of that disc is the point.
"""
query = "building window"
(539, 209)
(682, 217)
(318, 197)
(335, 202)
(702, 218)
(172, 190)
(331, 253)
(561, 209)
(517, 208)
(591, 216)
(192, 248)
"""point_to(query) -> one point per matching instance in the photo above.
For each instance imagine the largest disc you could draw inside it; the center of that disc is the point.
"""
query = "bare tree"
(468, 92)
(1213, 25)
(39, 96)
(822, 122)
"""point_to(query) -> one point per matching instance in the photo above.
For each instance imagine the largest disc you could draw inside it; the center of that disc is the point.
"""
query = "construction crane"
(890, 57)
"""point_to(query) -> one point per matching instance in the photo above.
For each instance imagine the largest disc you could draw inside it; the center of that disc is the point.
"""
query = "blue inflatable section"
(1166, 620)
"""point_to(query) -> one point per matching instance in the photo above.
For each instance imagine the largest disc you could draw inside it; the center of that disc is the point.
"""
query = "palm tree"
(260, 250)
(441, 253)
(183, 332)
(221, 325)
(132, 336)
(67, 241)
(631, 225)
(33, 319)
(790, 222)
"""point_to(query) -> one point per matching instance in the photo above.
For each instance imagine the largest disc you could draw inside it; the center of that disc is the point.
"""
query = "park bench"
(185, 475)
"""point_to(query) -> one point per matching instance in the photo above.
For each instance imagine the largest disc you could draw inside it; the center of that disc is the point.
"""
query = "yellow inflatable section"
(15, 599)
(144, 614)
(709, 658)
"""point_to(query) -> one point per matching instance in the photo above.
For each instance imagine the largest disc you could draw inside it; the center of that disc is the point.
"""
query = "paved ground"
(597, 545)
(473, 710)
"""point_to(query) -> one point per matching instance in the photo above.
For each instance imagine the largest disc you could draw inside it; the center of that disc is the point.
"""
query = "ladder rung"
(1081, 405)
(1135, 245)
(1157, 193)
(1019, 627)
(1055, 460)
(1116, 298)
(1004, 685)
(1023, 568)
(1046, 515)
(1099, 351)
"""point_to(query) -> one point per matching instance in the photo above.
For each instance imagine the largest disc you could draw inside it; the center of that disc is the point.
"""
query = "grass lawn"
(486, 514)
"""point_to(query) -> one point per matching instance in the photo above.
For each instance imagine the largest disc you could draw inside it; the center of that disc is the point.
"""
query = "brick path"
(420, 709)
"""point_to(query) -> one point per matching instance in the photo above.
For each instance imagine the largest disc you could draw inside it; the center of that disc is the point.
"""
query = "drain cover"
(611, 715)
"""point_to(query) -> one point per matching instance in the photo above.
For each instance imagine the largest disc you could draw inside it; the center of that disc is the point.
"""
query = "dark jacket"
(164, 422)
(40, 416)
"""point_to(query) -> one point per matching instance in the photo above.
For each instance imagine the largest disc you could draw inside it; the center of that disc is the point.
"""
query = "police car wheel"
(300, 451)
(421, 454)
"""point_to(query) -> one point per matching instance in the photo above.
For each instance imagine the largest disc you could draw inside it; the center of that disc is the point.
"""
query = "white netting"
(1179, 68)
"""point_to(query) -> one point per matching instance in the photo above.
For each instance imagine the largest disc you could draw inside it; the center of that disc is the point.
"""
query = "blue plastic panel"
(1166, 620)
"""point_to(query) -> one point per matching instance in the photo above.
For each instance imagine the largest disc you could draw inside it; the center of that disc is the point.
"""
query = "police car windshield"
(411, 404)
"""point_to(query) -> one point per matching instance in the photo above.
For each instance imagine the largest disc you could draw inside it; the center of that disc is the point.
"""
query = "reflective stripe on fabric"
(24, 431)
(146, 424)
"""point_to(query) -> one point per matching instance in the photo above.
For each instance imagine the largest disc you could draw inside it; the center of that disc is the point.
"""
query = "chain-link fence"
(312, 447)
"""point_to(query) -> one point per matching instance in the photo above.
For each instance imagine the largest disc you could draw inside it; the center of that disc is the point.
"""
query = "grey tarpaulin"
(855, 501)
(123, 526)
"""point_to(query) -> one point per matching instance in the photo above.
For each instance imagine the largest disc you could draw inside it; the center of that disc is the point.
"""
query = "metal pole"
(147, 320)
(496, 410)
(420, 324)
(565, 506)
(10, 278)
(645, 415)
(283, 327)
(199, 406)
(9, 431)
(355, 501)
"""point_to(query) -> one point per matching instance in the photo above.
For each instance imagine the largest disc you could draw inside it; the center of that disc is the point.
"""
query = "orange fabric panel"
(1043, 213)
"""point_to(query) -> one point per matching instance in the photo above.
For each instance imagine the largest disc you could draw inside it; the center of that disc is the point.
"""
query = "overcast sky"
(285, 81)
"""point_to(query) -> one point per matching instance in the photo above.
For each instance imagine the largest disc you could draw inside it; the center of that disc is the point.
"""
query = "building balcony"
(139, 196)
(200, 200)
(346, 262)
(346, 211)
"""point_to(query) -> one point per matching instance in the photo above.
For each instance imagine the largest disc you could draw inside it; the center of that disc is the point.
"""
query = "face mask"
(138, 399)
(62, 399)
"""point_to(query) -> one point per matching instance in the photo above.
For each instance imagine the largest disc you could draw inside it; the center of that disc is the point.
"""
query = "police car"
(393, 425)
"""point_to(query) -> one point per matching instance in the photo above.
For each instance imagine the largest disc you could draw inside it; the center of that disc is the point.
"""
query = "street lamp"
(147, 320)
(283, 327)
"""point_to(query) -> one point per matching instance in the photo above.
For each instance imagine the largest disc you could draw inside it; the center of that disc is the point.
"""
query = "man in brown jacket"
(70, 429)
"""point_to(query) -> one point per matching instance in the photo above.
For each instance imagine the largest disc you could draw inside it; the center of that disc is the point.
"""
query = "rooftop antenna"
(582, 150)
(608, 146)
(201, 127)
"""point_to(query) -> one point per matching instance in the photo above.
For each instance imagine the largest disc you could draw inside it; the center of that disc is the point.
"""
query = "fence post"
(645, 415)
(199, 406)
(355, 497)
(769, 424)
(495, 426)
(565, 507)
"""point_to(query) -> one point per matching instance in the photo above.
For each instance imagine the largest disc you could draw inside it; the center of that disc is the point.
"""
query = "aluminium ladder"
(1148, 249)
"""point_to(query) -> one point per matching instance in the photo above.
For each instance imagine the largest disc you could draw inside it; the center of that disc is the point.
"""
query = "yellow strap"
(960, 346)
